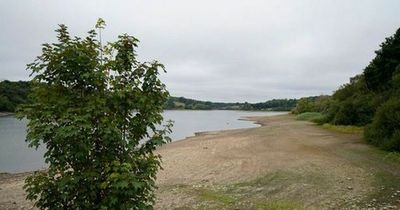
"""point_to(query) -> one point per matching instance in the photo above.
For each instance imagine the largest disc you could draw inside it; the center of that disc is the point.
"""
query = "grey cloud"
(218, 50)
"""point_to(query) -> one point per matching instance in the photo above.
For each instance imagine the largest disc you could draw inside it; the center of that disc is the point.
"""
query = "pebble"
(349, 188)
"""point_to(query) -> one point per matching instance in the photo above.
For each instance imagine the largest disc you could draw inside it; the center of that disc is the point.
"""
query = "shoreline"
(253, 119)
(4, 114)
(256, 120)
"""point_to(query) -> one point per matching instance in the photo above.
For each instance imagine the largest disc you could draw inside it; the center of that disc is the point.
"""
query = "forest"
(370, 99)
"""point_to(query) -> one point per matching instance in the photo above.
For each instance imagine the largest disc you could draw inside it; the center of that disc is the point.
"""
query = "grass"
(279, 205)
(387, 177)
(273, 191)
(382, 167)
(310, 116)
(211, 195)
(280, 189)
(318, 118)
(344, 128)
(392, 156)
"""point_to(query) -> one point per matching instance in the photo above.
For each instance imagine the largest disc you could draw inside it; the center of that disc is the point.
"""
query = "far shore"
(3, 114)
(284, 164)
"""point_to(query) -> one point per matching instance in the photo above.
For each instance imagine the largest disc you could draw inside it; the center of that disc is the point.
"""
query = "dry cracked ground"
(284, 164)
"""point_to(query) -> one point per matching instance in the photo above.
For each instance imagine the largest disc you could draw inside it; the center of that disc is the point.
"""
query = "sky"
(218, 50)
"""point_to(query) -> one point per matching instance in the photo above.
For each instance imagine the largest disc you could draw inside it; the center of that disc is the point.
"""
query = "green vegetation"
(310, 116)
(370, 99)
(344, 128)
(312, 104)
(275, 190)
(96, 109)
(272, 105)
(385, 127)
(319, 118)
(12, 94)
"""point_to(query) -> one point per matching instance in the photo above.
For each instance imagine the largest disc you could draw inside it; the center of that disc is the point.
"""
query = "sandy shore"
(284, 164)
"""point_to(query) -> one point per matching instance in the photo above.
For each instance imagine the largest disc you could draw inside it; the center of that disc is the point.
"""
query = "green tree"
(382, 67)
(304, 105)
(97, 110)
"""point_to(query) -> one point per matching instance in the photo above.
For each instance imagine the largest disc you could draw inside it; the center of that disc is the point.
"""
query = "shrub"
(384, 131)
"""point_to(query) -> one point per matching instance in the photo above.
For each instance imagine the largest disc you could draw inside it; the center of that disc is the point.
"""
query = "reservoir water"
(16, 156)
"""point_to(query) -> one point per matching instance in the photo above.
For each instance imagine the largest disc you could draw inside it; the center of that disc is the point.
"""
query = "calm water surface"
(16, 156)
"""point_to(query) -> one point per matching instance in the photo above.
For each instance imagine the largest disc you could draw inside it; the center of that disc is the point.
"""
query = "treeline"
(191, 104)
(370, 99)
(12, 94)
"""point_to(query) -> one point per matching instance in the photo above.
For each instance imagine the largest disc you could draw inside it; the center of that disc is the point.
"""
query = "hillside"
(14, 93)
(271, 105)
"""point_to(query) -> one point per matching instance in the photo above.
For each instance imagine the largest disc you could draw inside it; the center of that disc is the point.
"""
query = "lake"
(16, 156)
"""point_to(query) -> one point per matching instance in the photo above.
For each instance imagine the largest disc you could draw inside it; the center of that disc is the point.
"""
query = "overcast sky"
(217, 50)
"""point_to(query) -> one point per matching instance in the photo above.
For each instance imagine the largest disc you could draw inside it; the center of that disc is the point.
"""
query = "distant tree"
(5, 104)
(305, 105)
(12, 94)
(96, 110)
(247, 106)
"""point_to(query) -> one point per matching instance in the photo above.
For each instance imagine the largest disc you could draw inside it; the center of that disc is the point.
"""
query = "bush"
(385, 128)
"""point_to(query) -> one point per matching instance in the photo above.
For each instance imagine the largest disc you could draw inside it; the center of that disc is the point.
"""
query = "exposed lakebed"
(16, 156)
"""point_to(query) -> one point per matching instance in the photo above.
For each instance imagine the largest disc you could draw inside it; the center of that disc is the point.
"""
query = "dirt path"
(285, 164)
